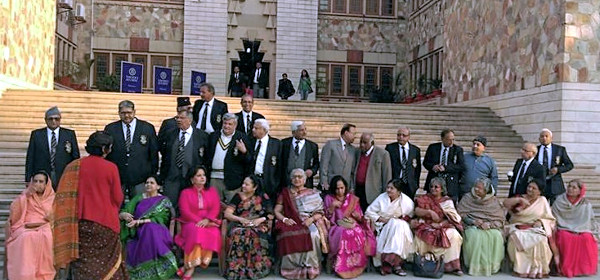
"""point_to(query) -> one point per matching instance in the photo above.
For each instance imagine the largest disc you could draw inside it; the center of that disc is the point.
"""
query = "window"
(354, 80)
(372, 8)
(387, 78)
(356, 7)
(337, 79)
(141, 59)
(176, 64)
(322, 79)
(387, 7)
(428, 66)
(117, 58)
(370, 78)
(339, 6)
(156, 61)
(101, 66)
(324, 5)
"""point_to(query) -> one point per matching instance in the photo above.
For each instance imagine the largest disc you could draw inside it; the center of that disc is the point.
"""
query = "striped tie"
(128, 138)
(53, 144)
(445, 157)
(404, 161)
(180, 150)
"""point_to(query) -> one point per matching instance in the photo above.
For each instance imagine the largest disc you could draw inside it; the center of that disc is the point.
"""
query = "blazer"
(379, 173)
(263, 79)
(335, 161)
(166, 126)
(454, 168)
(236, 166)
(240, 123)
(216, 115)
(38, 153)
(413, 167)
(142, 160)
(236, 85)
(560, 159)
(200, 142)
(311, 160)
(534, 171)
(272, 166)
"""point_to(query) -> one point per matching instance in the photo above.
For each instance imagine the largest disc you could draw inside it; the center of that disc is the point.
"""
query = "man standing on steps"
(208, 111)
(373, 171)
(134, 150)
(246, 117)
(339, 157)
(446, 160)
(406, 161)
(51, 148)
(183, 104)
(299, 152)
(478, 164)
(260, 81)
(526, 169)
(237, 83)
(555, 160)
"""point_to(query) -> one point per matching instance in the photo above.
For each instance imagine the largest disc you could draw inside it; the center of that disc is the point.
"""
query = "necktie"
(297, 148)
(444, 156)
(53, 144)
(522, 170)
(180, 150)
(404, 160)
(236, 76)
(344, 147)
(545, 158)
(257, 150)
(128, 138)
(248, 124)
(204, 120)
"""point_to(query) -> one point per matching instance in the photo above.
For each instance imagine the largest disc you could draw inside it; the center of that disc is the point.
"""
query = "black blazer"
(38, 152)
(236, 85)
(271, 167)
(216, 115)
(200, 142)
(560, 159)
(143, 152)
(240, 122)
(237, 165)
(311, 160)
(166, 126)
(534, 171)
(263, 79)
(413, 167)
(454, 168)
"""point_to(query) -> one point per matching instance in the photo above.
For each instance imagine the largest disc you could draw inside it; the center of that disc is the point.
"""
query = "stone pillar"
(296, 41)
(205, 42)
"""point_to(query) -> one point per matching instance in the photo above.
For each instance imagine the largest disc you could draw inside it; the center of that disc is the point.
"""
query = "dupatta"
(294, 238)
(443, 207)
(66, 221)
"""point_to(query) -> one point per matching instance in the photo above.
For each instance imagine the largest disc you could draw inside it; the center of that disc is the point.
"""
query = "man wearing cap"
(134, 150)
(183, 104)
(246, 116)
(51, 148)
(208, 111)
(556, 161)
(478, 164)
(299, 152)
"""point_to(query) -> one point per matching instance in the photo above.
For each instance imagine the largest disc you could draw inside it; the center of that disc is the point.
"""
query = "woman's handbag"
(427, 266)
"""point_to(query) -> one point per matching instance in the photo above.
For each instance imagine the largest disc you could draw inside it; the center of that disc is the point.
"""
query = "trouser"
(225, 194)
(258, 91)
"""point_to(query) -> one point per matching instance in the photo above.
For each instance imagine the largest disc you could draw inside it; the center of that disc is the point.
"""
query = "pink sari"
(351, 240)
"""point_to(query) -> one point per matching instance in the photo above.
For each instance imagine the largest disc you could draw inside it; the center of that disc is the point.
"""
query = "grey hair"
(296, 125)
(230, 116)
(126, 104)
(532, 145)
(263, 123)
(209, 86)
(442, 183)
(371, 136)
(298, 170)
(187, 114)
(546, 130)
(405, 127)
(487, 184)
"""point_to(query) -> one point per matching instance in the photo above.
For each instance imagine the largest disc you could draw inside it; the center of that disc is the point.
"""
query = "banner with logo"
(131, 77)
(162, 79)
(198, 78)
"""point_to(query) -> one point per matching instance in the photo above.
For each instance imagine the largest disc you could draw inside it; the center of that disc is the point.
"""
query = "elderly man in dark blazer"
(208, 111)
(183, 104)
(266, 160)
(299, 152)
(339, 157)
(445, 159)
(373, 171)
(246, 117)
(556, 161)
(134, 150)
(51, 148)
(183, 149)
(526, 169)
(406, 161)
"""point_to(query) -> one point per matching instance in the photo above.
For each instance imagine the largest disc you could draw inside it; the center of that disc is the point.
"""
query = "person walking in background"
(285, 88)
(304, 86)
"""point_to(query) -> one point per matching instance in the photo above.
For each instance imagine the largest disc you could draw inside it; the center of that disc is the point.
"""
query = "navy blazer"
(534, 171)
(216, 115)
(413, 166)
(200, 143)
(311, 160)
(271, 167)
(454, 167)
(560, 159)
(237, 165)
(240, 122)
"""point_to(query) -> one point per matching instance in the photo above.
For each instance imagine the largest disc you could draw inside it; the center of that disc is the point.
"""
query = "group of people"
(110, 215)
(258, 84)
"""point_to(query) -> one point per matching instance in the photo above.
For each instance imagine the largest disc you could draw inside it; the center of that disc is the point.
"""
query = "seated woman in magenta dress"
(200, 237)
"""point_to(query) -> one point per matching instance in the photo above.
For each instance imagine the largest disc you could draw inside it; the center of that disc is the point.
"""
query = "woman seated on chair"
(530, 228)
(575, 225)
(348, 227)
(301, 229)
(249, 233)
(199, 206)
(145, 221)
(390, 211)
(483, 217)
(29, 232)
(436, 227)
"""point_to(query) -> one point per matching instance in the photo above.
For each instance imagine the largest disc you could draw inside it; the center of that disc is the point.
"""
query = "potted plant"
(436, 85)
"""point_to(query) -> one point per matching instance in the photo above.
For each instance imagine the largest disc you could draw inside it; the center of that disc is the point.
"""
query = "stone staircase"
(85, 112)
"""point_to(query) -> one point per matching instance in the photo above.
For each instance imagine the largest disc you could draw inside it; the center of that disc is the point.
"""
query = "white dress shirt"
(188, 135)
(209, 127)
(132, 125)
(260, 159)
(49, 135)
(541, 155)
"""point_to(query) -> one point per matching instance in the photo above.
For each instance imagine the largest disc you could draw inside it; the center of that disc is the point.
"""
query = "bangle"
(284, 218)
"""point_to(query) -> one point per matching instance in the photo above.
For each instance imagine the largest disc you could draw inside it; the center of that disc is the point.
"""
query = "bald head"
(528, 151)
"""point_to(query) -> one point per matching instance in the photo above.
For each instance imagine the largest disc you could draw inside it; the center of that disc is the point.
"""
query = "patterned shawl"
(66, 222)
(487, 209)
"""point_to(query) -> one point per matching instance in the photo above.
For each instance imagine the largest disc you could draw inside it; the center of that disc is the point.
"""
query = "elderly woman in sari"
(390, 211)
(301, 229)
(28, 232)
(351, 240)
(529, 230)
(249, 233)
(483, 217)
(575, 226)
(199, 206)
(436, 226)
(145, 221)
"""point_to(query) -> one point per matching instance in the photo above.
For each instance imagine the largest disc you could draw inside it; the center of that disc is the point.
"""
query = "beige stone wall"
(494, 47)
(426, 23)
(582, 42)
(27, 43)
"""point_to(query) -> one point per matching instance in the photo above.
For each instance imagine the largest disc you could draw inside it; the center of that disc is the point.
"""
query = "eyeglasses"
(53, 118)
